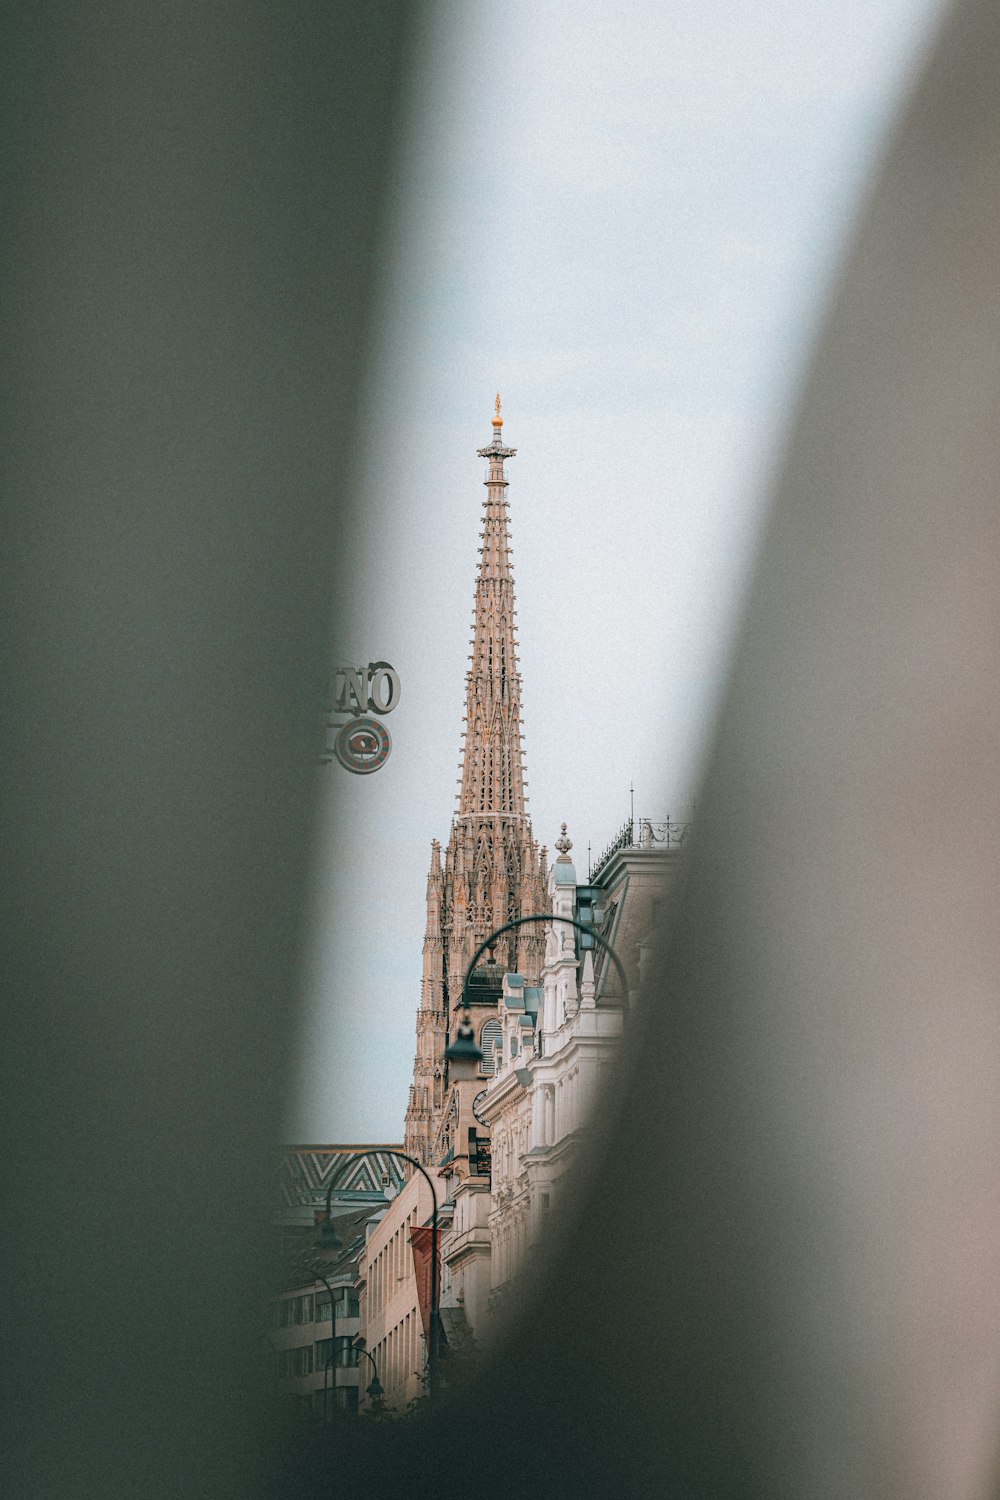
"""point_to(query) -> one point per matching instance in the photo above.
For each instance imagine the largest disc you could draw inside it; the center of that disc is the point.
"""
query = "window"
(346, 1356)
(491, 1041)
(347, 1305)
(294, 1310)
(295, 1362)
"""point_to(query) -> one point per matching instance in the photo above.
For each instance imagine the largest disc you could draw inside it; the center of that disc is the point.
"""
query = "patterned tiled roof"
(360, 1174)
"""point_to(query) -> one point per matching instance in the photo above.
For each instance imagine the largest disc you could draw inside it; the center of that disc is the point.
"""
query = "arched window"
(491, 1040)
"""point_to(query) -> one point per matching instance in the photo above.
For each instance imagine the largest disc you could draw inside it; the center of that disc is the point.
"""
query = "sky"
(627, 219)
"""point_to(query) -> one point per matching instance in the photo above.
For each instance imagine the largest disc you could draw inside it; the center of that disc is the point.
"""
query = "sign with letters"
(373, 689)
(361, 741)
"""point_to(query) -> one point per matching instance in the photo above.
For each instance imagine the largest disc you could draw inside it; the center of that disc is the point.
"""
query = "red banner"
(421, 1241)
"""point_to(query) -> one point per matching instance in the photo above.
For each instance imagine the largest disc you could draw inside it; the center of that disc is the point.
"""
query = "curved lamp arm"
(375, 1388)
(586, 927)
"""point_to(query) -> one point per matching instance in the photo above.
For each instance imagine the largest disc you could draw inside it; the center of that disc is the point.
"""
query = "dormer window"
(491, 1041)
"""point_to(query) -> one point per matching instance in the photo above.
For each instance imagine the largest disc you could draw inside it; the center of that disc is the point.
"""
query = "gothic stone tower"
(492, 870)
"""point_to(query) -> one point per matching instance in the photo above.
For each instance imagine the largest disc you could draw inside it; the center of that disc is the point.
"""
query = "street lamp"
(329, 1239)
(374, 1390)
(328, 1235)
(463, 1055)
(463, 1051)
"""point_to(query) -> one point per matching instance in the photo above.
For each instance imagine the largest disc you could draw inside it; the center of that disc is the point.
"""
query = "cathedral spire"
(492, 773)
(491, 871)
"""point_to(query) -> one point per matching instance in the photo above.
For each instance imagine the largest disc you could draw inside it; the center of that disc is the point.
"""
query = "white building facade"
(557, 1041)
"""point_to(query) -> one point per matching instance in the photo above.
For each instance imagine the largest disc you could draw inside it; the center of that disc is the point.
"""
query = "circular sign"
(362, 745)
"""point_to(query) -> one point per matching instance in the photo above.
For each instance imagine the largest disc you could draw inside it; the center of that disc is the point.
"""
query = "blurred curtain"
(190, 202)
(785, 1279)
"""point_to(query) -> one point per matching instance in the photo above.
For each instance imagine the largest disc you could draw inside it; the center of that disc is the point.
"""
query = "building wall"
(466, 1253)
(390, 1318)
(300, 1339)
(640, 883)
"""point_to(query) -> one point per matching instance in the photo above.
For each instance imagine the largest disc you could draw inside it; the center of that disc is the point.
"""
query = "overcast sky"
(626, 218)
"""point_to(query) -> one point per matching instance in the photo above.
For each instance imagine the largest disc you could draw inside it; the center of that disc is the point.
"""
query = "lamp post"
(327, 1230)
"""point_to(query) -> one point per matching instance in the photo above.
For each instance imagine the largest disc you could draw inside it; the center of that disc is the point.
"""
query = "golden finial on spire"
(498, 419)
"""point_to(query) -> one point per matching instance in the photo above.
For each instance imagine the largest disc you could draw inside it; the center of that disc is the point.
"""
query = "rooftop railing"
(644, 833)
